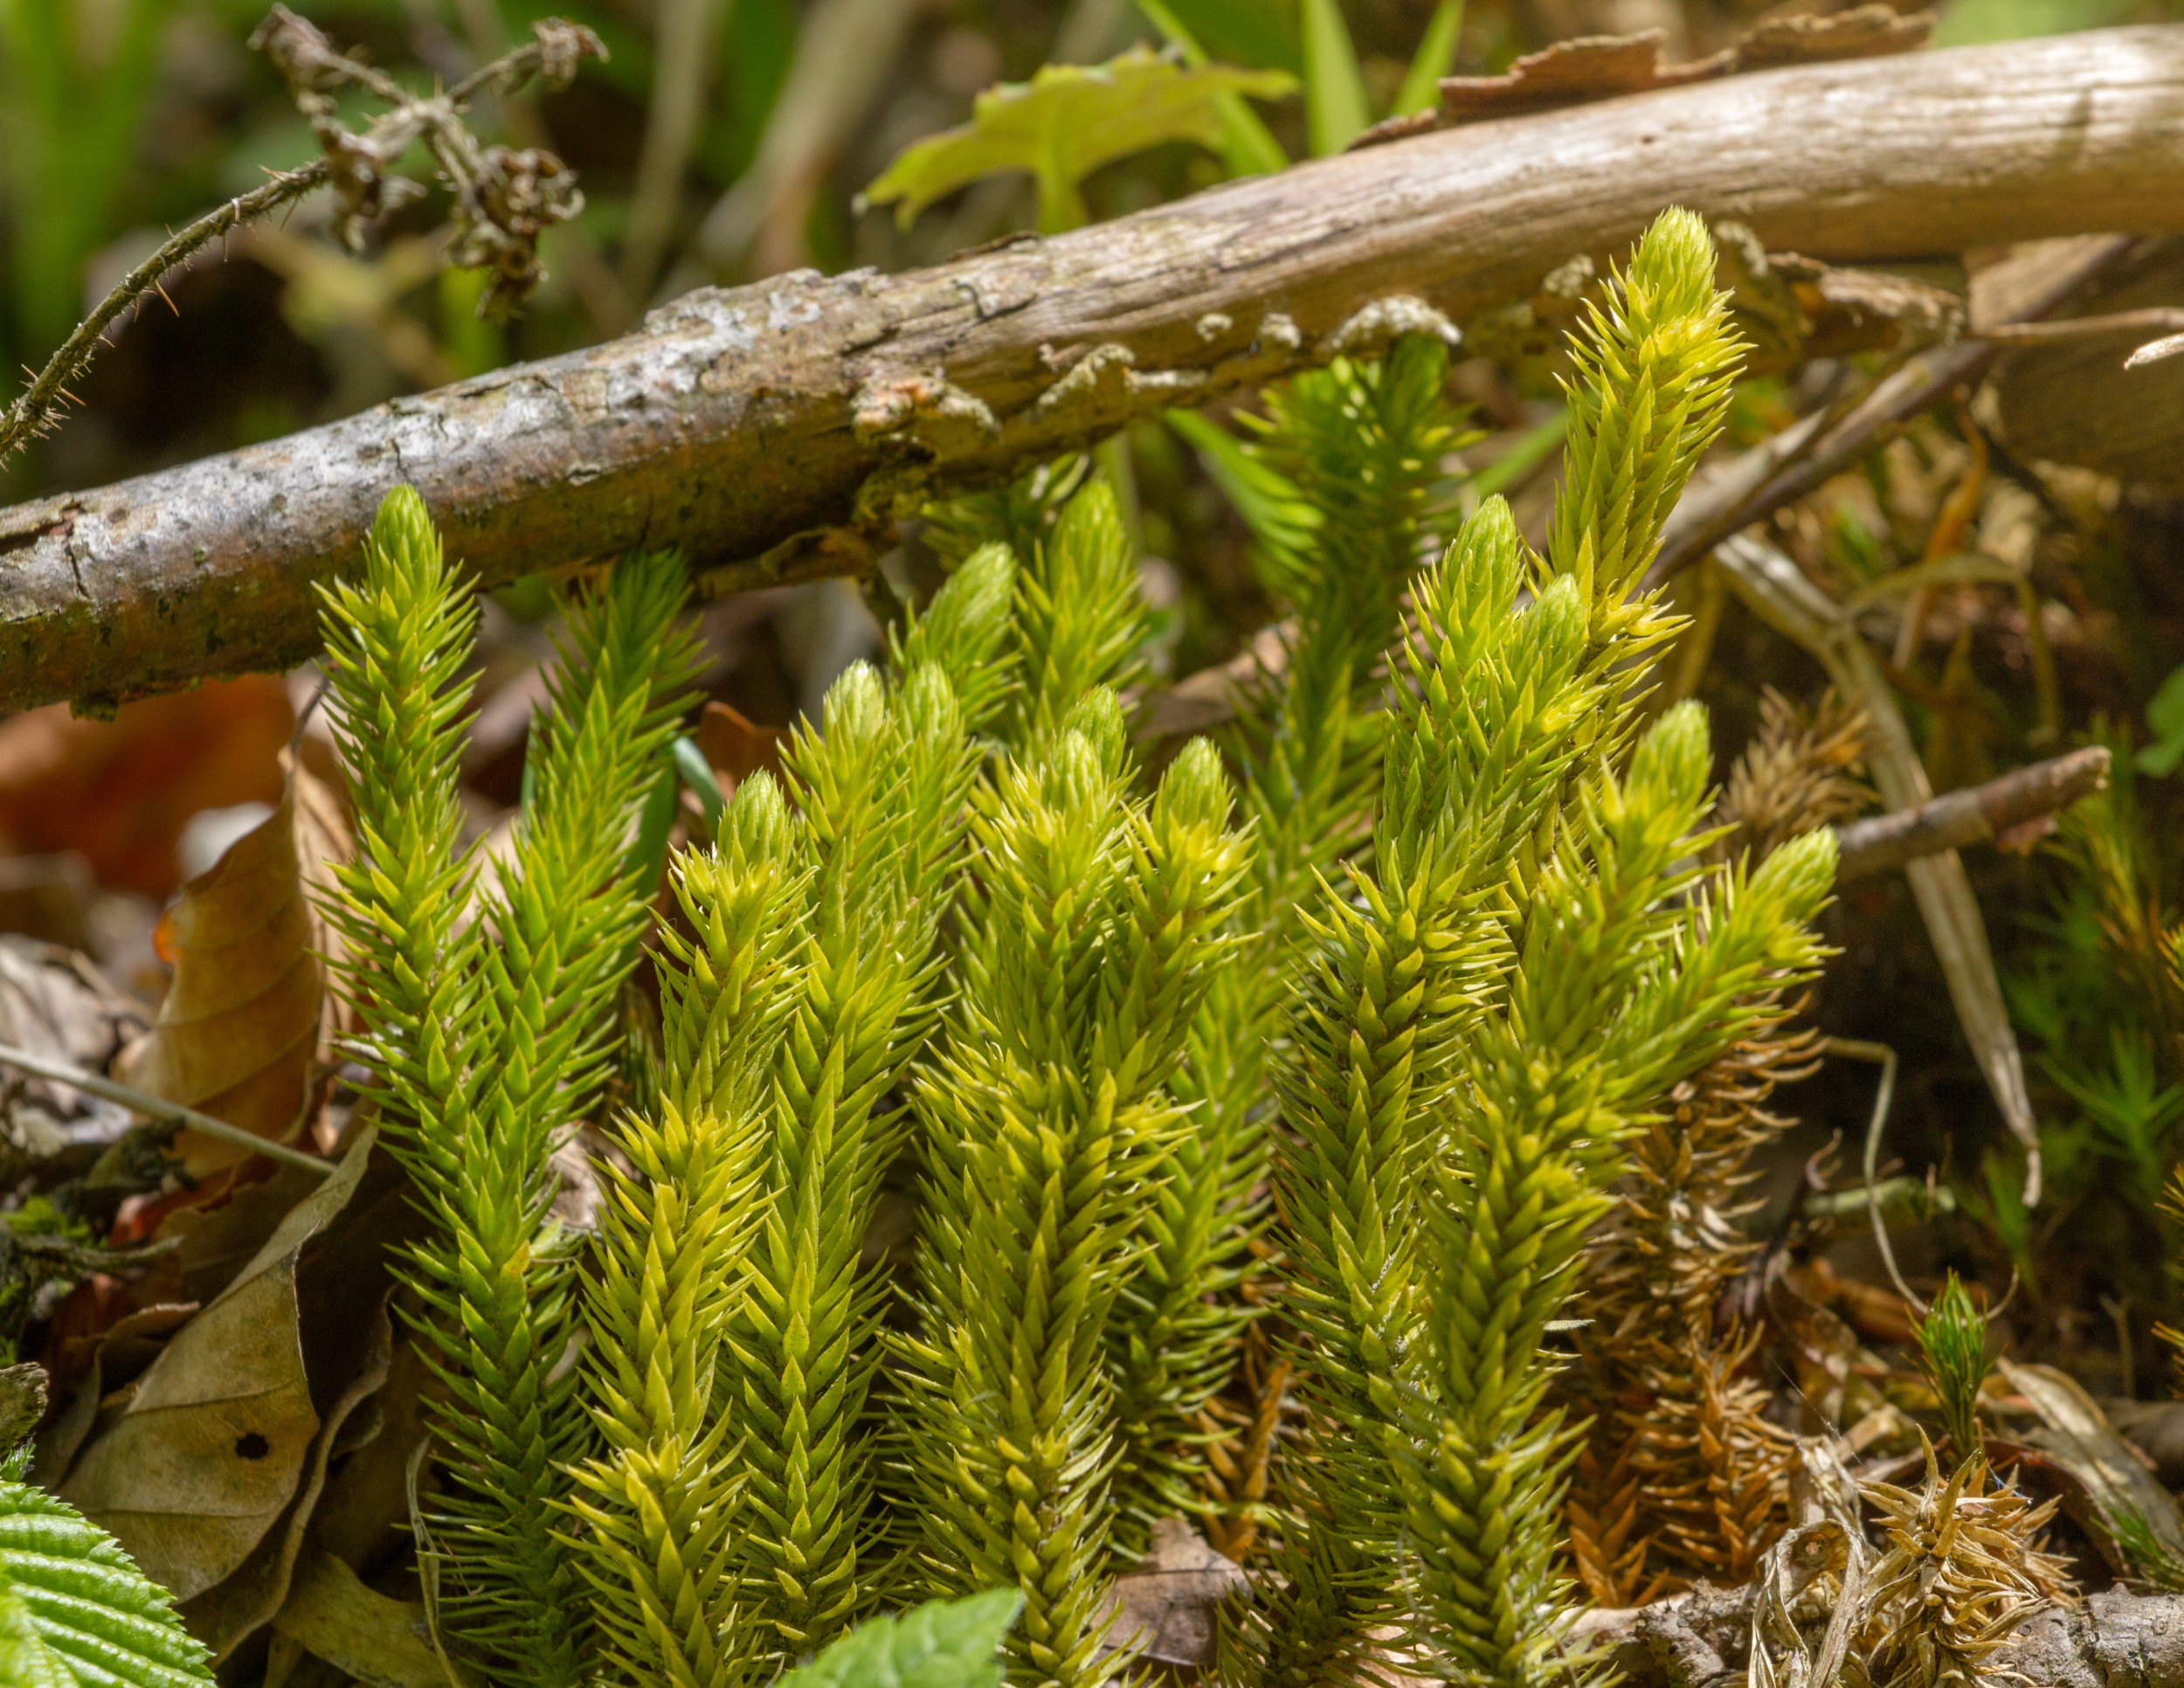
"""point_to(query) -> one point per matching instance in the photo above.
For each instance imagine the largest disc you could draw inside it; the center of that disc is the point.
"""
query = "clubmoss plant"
(487, 1014)
(1350, 459)
(657, 1506)
(1469, 937)
(881, 794)
(1093, 922)
(1682, 1474)
(1527, 964)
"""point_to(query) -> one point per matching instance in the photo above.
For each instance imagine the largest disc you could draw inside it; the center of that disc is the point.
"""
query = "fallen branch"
(778, 431)
(1978, 814)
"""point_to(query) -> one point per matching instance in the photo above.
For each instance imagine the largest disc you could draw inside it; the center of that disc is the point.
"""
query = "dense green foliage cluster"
(1376, 998)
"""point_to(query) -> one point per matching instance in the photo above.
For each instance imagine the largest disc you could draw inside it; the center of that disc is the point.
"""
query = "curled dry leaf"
(54, 1002)
(239, 1032)
(371, 1637)
(212, 1450)
(1603, 66)
(1164, 1610)
(2103, 1479)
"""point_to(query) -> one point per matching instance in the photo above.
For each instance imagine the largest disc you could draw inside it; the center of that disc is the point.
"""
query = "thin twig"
(33, 409)
(1884, 1098)
(1978, 814)
(158, 1107)
(2156, 319)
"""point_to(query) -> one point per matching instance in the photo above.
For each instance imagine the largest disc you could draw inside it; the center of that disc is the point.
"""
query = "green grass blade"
(1336, 110)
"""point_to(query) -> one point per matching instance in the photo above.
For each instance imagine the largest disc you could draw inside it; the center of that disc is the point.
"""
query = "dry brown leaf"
(2101, 402)
(734, 745)
(343, 1285)
(226, 1616)
(1572, 72)
(1868, 32)
(209, 1245)
(57, 1003)
(324, 841)
(363, 1517)
(1163, 1610)
(120, 791)
(1602, 66)
(380, 1642)
(239, 1033)
(213, 1445)
(2076, 1435)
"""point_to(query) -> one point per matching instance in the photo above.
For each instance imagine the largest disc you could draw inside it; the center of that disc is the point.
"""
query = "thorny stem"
(311, 65)
(32, 411)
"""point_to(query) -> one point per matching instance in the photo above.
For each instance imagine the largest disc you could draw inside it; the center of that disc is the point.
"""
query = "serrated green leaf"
(1066, 122)
(75, 1613)
(944, 1643)
(2165, 715)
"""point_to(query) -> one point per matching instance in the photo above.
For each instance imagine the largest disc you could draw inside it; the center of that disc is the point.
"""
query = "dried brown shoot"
(1961, 1570)
(1803, 770)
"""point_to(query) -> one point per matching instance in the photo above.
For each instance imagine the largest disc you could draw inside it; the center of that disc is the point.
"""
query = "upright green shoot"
(1353, 456)
(882, 798)
(1953, 1342)
(674, 1235)
(1449, 1127)
(485, 1036)
(1626, 979)
(1094, 925)
(1648, 392)
(1491, 716)
(1079, 619)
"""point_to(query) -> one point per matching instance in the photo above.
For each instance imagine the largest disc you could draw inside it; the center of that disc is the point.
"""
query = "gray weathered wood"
(2113, 1639)
(774, 430)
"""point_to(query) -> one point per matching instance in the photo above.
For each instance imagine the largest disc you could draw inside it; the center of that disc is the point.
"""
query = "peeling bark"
(775, 431)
